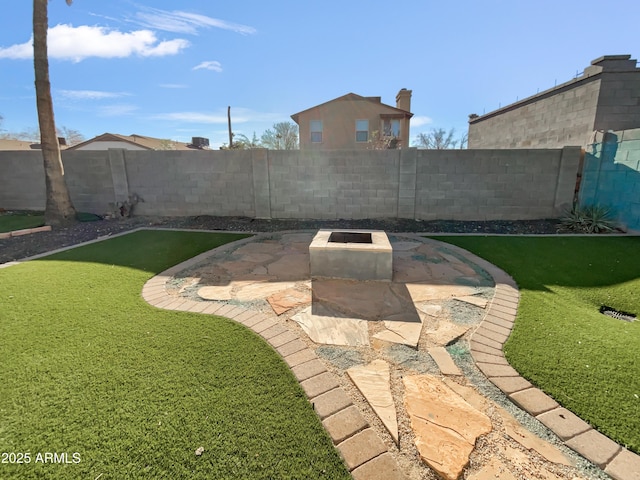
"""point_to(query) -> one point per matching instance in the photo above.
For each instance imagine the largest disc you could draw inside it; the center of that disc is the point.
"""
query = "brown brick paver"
(594, 446)
(564, 423)
(308, 370)
(331, 402)
(344, 424)
(361, 448)
(319, 384)
(291, 347)
(625, 466)
(301, 356)
(382, 467)
(511, 384)
(282, 339)
(533, 401)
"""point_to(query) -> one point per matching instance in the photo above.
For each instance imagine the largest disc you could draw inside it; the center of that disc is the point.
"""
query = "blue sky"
(169, 69)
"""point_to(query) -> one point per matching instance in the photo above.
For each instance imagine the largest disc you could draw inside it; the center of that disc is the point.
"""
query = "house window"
(316, 131)
(391, 127)
(362, 130)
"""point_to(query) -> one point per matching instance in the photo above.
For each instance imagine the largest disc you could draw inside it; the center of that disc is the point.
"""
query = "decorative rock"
(373, 382)
(493, 470)
(445, 426)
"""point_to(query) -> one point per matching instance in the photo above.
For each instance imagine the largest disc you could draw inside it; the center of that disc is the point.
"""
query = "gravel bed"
(15, 248)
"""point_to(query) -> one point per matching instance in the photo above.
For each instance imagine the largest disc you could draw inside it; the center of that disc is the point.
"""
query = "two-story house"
(352, 121)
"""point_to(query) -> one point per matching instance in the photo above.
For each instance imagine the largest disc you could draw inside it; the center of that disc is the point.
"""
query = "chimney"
(403, 100)
(62, 141)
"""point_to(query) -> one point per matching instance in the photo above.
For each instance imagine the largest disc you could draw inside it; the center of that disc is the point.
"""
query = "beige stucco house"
(352, 121)
(138, 142)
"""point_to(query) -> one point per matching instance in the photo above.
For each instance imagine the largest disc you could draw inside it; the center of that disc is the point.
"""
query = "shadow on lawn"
(152, 251)
(538, 262)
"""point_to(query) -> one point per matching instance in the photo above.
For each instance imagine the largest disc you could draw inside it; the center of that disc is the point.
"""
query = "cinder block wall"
(407, 183)
(552, 119)
(605, 97)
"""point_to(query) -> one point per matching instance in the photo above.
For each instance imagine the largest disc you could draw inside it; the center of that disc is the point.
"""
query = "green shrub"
(589, 219)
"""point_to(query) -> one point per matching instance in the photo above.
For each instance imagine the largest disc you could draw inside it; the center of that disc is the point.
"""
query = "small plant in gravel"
(589, 219)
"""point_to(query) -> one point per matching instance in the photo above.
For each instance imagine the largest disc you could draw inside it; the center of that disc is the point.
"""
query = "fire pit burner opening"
(350, 237)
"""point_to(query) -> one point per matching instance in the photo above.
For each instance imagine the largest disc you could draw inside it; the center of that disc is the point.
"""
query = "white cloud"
(417, 121)
(209, 65)
(238, 115)
(184, 22)
(67, 42)
(89, 94)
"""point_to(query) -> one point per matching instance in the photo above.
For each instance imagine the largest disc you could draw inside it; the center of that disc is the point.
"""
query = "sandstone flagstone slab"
(406, 333)
(216, 292)
(445, 426)
(327, 326)
(369, 300)
(473, 300)
(261, 290)
(292, 266)
(287, 299)
(423, 292)
(530, 441)
(373, 382)
(446, 333)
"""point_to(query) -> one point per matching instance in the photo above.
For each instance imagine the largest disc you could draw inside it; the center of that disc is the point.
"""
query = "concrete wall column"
(261, 188)
(407, 183)
(117, 163)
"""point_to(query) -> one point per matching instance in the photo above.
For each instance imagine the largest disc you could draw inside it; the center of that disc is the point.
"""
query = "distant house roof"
(12, 144)
(140, 141)
(354, 97)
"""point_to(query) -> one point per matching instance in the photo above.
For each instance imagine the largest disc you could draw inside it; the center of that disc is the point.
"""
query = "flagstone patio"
(383, 362)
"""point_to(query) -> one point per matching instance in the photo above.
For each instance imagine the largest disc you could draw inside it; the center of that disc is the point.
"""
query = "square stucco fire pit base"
(356, 254)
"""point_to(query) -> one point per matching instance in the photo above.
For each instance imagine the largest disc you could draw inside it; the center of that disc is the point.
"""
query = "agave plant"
(589, 219)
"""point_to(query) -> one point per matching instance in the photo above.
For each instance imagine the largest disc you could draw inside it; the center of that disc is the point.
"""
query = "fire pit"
(356, 254)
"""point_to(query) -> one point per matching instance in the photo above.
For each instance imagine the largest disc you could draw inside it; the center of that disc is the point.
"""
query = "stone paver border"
(486, 349)
(364, 453)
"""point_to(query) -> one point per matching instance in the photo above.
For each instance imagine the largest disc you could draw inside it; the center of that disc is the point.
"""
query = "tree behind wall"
(59, 210)
(440, 139)
(284, 136)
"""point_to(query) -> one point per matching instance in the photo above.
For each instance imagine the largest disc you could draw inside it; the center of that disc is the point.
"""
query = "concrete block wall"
(407, 183)
(552, 119)
(495, 184)
(334, 183)
(175, 183)
(606, 96)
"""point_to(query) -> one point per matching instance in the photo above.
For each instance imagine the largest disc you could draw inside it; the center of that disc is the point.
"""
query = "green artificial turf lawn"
(9, 223)
(89, 368)
(588, 362)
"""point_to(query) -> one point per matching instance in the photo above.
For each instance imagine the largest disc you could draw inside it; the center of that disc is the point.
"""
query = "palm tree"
(59, 210)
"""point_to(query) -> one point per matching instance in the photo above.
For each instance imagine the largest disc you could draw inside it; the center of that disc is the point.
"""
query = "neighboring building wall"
(406, 183)
(611, 175)
(606, 96)
(339, 121)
